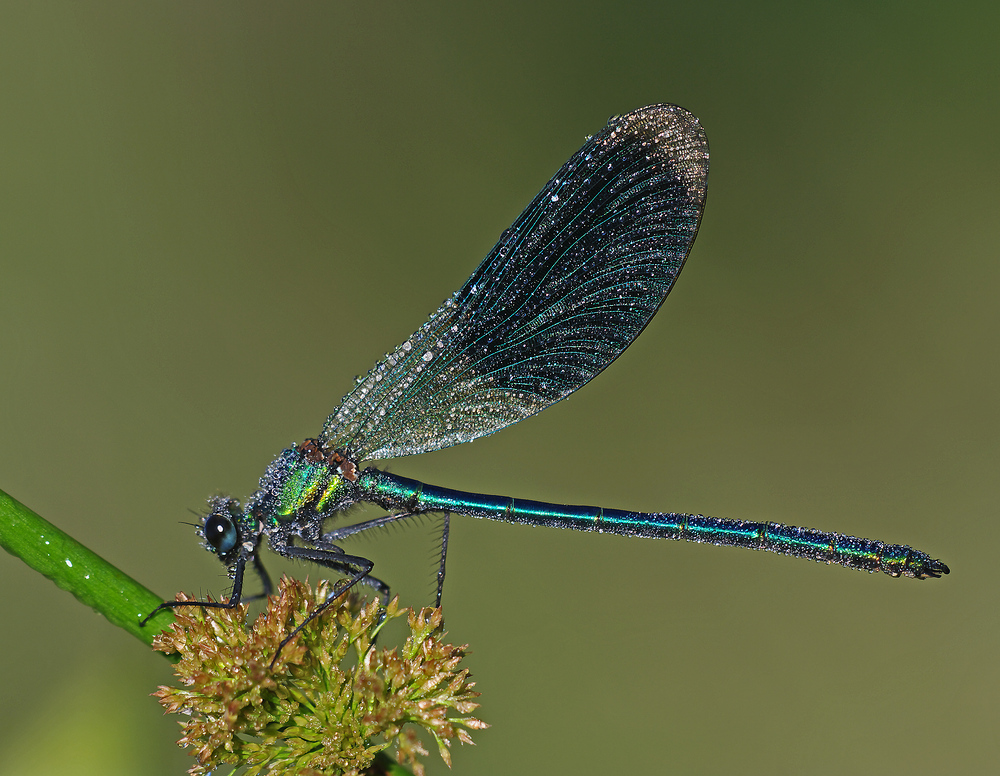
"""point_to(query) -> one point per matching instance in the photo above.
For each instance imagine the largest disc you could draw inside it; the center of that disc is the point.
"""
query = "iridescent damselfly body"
(566, 289)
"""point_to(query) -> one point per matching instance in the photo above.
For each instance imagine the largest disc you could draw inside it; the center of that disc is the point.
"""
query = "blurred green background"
(214, 215)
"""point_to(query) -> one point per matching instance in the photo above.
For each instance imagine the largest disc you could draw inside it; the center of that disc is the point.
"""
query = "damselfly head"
(221, 528)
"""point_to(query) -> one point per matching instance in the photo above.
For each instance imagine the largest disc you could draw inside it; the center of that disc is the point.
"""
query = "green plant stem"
(78, 570)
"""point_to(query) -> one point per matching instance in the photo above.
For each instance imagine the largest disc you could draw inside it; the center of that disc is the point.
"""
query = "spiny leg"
(354, 566)
(445, 528)
(348, 530)
(327, 541)
(368, 580)
(232, 603)
(265, 582)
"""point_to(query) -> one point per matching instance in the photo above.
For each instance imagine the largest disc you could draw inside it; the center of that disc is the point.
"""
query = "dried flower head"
(333, 700)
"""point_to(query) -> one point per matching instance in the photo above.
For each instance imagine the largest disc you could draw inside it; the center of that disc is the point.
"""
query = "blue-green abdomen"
(401, 493)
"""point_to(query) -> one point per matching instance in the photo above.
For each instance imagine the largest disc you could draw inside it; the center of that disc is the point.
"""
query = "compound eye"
(220, 532)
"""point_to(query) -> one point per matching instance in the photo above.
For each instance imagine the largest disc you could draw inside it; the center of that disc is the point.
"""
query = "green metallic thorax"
(296, 488)
(310, 486)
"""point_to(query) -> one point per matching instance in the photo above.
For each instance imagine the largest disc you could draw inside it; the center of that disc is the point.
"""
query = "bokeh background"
(214, 215)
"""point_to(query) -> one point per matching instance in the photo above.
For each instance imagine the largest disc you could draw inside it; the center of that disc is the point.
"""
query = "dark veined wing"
(567, 288)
